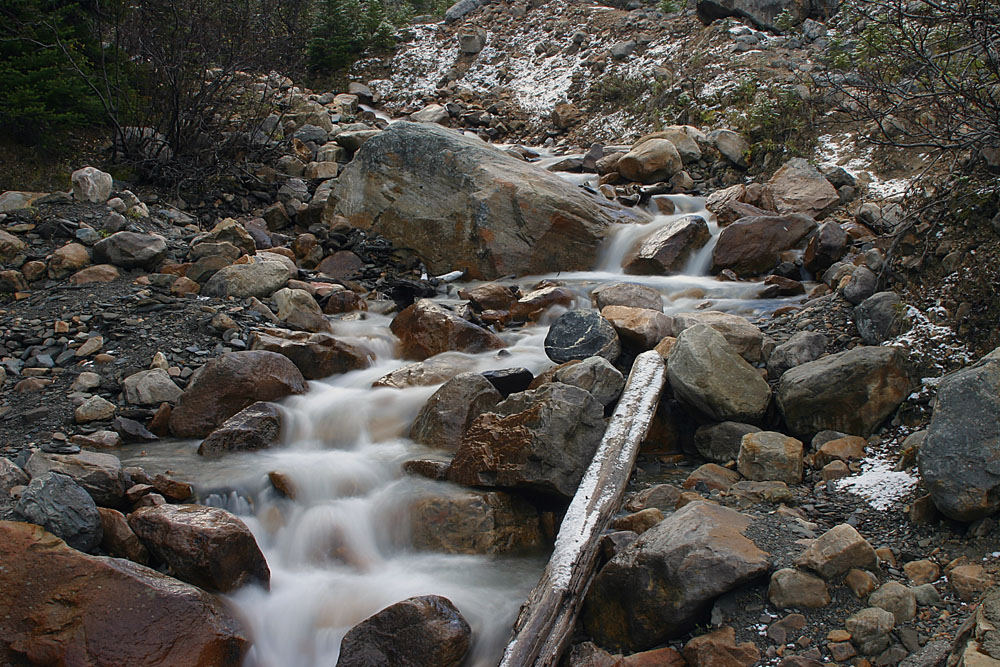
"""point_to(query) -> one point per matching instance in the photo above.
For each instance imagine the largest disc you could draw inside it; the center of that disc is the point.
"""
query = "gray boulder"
(596, 375)
(852, 391)
(801, 348)
(706, 373)
(861, 285)
(460, 9)
(260, 279)
(150, 387)
(59, 505)
(959, 457)
(668, 249)
(879, 317)
(131, 249)
(100, 475)
(721, 442)
(798, 187)
(579, 334)
(457, 213)
(632, 295)
(91, 184)
(665, 582)
(450, 410)
(540, 440)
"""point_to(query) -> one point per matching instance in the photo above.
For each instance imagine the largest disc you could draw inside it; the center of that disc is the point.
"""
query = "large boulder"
(424, 631)
(426, 328)
(651, 161)
(799, 187)
(298, 308)
(596, 375)
(462, 204)
(150, 387)
(958, 459)
(66, 260)
(131, 249)
(632, 295)
(91, 184)
(851, 392)
(744, 337)
(879, 317)
(100, 475)
(228, 231)
(256, 426)
(801, 348)
(668, 249)
(705, 372)
(751, 246)
(664, 583)
(450, 410)
(540, 440)
(474, 522)
(259, 278)
(61, 506)
(230, 383)
(770, 456)
(78, 609)
(204, 546)
(579, 334)
(639, 327)
(825, 247)
(316, 355)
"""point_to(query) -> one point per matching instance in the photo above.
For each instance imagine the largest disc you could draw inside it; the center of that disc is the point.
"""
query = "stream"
(340, 551)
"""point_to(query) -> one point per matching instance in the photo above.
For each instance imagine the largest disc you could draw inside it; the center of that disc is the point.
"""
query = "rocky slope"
(818, 483)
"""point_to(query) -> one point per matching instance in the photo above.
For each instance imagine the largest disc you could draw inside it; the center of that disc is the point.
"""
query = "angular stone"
(794, 589)
(798, 187)
(838, 550)
(870, 630)
(91, 184)
(100, 273)
(131, 249)
(443, 420)
(439, 368)
(257, 426)
(852, 391)
(720, 443)
(596, 375)
(100, 475)
(205, 546)
(897, 599)
(720, 648)
(667, 250)
(425, 631)
(651, 161)
(768, 455)
(879, 317)
(666, 581)
(632, 295)
(59, 505)
(260, 279)
(65, 599)
(230, 383)
(712, 477)
(475, 522)
(638, 327)
(67, 259)
(745, 338)
(150, 387)
(316, 355)
(426, 328)
(801, 348)
(118, 539)
(825, 247)
(751, 246)
(534, 303)
(298, 308)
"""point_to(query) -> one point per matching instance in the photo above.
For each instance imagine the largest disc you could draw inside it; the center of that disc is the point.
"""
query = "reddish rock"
(118, 539)
(205, 546)
(230, 383)
(475, 522)
(316, 355)
(668, 249)
(534, 303)
(340, 265)
(75, 609)
(68, 259)
(172, 489)
(491, 296)
(751, 246)
(342, 301)
(99, 273)
(256, 426)
(426, 328)
(641, 327)
(719, 649)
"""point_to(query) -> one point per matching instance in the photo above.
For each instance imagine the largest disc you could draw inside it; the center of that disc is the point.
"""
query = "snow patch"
(878, 484)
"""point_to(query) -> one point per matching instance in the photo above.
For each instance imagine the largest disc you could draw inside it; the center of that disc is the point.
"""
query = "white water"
(340, 551)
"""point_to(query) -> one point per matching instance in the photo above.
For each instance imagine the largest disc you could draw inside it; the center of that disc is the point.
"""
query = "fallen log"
(546, 620)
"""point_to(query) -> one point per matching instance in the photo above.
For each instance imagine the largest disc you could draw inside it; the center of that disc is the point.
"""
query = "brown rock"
(796, 589)
(256, 426)
(667, 250)
(713, 476)
(230, 383)
(316, 355)
(90, 610)
(719, 649)
(922, 571)
(183, 286)
(848, 448)
(640, 327)
(426, 328)
(969, 581)
(475, 522)
(861, 582)
(798, 187)
(67, 259)
(118, 539)
(658, 657)
(638, 522)
(98, 439)
(99, 273)
(174, 490)
(205, 546)
(443, 420)
(341, 265)
(491, 296)
(343, 301)
(838, 550)
(651, 161)
(750, 246)
(768, 455)
(534, 303)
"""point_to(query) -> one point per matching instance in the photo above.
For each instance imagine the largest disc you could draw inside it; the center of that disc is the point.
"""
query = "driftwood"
(547, 618)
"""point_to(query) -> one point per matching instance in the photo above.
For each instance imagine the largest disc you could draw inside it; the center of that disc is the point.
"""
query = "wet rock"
(706, 372)
(861, 582)
(751, 246)
(230, 383)
(257, 426)
(852, 391)
(666, 581)
(509, 380)
(64, 597)
(100, 475)
(639, 327)
(559, 228)
(475, 522)
(768, 455)
(838, 550)
(491, 296)
(801, 348)
(638, 522)
(425, 631)
(825, 247)
(316, 355)
(879, 317)
(57, 503)
(632, 295)
(746, 339)
(450, 410)
(540, 440)
(66, 260)
(341, 265)
(870, 630)
(721, 442)
(534, 303)
(118, 539)
(661, 496)
(299, 309)
(91, 185)
(794, 589)
(132, 431)
(150, 387)
(596, 375)
(798, 187)
(439, 368)
(131, 249)
(205, 546)
(579, 334)
(720, 648)
(957, 457)
(667, 250)
(426, 329)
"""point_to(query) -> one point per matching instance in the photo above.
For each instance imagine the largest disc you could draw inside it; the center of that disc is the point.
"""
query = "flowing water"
(340, 551)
